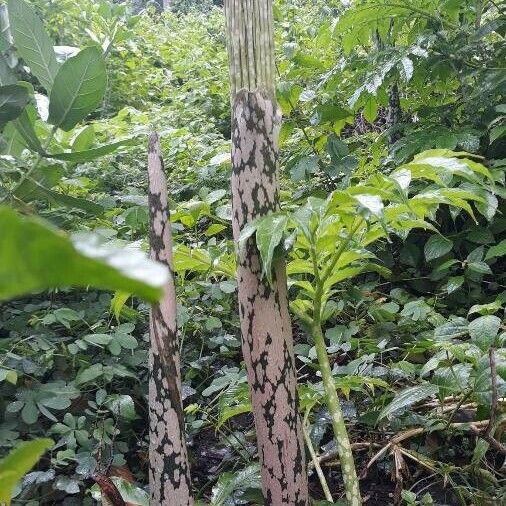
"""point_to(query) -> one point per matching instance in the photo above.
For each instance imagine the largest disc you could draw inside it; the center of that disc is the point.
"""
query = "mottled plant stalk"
(169, 470)
(267, 341)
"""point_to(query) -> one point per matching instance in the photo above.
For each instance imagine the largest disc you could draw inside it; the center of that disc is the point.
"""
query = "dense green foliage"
(392, 161)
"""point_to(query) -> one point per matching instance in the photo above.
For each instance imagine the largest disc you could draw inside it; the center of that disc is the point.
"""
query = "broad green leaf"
(34, 256)
(408, 397)
(131, 493)
(91, 154)
(306, 166)
(228, 483)
(479, 267)
(484, 329)
(269, 234)
(84, 138)
(497, 133)
(13, 99)
(484, 309)
(288, 95)
(121, 405)
(451, 162)
(24, 125)
(32, 42)
(371, 109)
(372, 203)
(454, 283)
(498, 250)
(98, 339)
(17, 463)
(38, 187)
(78, 88)
(89, 374)
(452, 380)
(452, 329)
(436, 247)
(118, 302)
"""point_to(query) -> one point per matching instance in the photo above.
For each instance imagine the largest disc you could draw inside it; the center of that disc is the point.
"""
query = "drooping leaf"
(306, 166)
(17, 463)
(371, 109)
(228, 483)
(24, 125)
(436, 247)
(35, 256)
(498, 250)
(13, 99)
(78, 88)
(408, 397)
(484, 329)
(452, 329)
(93, 153)
(269, 234)
(32, 42)
(38, 187)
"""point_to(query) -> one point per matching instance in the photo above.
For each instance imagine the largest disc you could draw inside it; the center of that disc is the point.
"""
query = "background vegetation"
(401, 103)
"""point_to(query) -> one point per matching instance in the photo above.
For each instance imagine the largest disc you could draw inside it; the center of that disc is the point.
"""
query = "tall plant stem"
(266, 330)
(169, 468)
(350, 479)
(349, 472)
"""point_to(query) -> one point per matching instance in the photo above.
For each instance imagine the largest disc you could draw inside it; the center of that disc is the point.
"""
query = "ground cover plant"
(387, 215)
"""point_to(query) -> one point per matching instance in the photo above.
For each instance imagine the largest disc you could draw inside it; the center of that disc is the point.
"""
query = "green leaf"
(35, 256)
(78, 89)
(479, 267)
(32, 42)
(17, 463)
(436, 247)
(452, 329)
(372, 203)
(304, 167)
(13, 99)
(497, 133)
(484, 329)
(121, 405)
(97, 339)
(408, 397)
(371, 109)
(24, 125)
(118, 301)
(452, 380)
(89, 374)
(93, 153)
(269, 234)
(454, 283)
(228, 483)
(498, 250)
(30, 413)
(84, 139)
(131, 493)
(38, 187)
(288, 95)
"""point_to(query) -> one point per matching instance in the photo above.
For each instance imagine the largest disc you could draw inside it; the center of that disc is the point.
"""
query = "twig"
(315, 460)
(493, 400)
(474, 427)
(487, 435)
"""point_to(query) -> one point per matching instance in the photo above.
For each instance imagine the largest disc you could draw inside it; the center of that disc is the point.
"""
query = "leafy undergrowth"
(393, 114)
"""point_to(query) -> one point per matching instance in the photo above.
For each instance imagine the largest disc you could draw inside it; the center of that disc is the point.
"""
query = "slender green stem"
(350, 479)
(316, 462)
